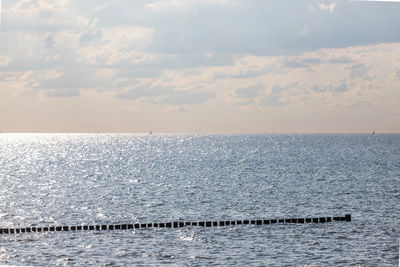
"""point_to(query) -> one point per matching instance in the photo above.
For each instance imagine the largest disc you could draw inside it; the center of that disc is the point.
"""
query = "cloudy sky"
(200, 66)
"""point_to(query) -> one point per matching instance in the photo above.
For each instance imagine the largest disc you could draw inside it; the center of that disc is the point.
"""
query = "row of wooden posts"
(176, 224)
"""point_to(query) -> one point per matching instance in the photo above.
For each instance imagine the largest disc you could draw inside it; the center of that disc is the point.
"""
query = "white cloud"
(113, 46)
(305, 30)
(168, 95)
(62, 93)
(330, 7)
(4, 61)
(167, 6)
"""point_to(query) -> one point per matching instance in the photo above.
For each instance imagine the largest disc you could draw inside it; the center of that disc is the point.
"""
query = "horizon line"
(202, 133)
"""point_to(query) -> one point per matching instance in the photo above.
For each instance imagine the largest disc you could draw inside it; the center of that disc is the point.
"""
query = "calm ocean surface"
(72, 179)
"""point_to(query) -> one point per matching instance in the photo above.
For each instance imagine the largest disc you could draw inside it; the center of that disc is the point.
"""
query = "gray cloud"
(49, 42)
(335, 87)
(341, 87)
(273, 100)
(312, 61)
(252, 72)
(276, 96)
(219, 75)
(398, 74)
(294, 64)
(301, 63)
(249, 92)
(90, 36)
(362, 103)
(359, 71)
(340, 60)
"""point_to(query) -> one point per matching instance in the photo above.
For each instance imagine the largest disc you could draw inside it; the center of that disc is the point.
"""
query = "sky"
(200, 66)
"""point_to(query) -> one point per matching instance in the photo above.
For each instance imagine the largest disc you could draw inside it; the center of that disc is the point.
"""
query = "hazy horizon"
(210, 133)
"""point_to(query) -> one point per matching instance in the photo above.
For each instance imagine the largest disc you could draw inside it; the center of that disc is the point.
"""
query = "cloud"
(73, 78)
(186, 34)
(353, 104)
(90, 36)
(252, 72)
(301, 63)
(62, 93)
(168, 95)
(4, 61)
(276, 95)
(397, 74)
(219, 75)
(331, 7)
(249, 92)
(339, 86)
(42, 16)
(208, 55)
(92, 33)
(340, 60)
(305, 30)
(273, 100)
(359, 70)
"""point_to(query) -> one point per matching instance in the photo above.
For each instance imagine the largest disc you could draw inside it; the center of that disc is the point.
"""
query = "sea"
(84, 179)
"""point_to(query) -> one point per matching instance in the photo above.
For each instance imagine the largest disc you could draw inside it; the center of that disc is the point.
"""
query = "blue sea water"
(73, 179)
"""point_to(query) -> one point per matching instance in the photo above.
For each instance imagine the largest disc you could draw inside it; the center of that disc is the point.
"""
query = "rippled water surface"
(72, 179)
